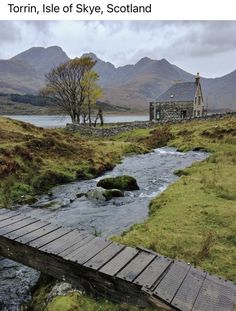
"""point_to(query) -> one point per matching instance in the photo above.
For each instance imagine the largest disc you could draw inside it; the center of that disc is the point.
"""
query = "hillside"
(16, 104)
(34, 159)
(132, 86)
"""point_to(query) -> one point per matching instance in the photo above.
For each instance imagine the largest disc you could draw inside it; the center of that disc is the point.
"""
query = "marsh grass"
(194, 219)
(207, 244)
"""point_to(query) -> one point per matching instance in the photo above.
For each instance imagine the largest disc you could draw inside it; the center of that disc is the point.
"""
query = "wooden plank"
(119, 261)
(10, 221)
(104, 256)
(17, 225)
(73, 240)
(136, 266)
(171, 282)
(189, 290)
(214, 296)
(49, 237)
(153, 272)
(29, 237)
(61, 243)
(88, 250)
(8, 215)
(219, 280)
(80, 243)
(25, 230)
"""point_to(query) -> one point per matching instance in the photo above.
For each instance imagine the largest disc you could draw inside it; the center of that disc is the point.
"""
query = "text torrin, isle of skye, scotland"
(73, 8)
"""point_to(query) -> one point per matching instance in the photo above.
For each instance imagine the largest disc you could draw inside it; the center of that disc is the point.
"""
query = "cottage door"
(183, 114)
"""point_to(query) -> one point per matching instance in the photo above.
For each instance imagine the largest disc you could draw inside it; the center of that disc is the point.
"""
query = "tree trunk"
(100, 114)
(89, 113)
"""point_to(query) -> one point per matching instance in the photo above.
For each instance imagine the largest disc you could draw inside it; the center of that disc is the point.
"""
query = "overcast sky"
(207, 47)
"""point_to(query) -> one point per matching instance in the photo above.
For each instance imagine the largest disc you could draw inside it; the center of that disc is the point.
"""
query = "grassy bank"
(33, 159)
(195, 218)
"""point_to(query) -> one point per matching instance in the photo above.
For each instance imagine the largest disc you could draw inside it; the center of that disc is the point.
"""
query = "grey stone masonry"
(173, 111)
(116, 129)
(113, 130)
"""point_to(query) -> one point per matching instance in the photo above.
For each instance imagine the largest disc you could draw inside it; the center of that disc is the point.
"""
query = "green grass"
(78, 302)
(195, 218)
(32, 159)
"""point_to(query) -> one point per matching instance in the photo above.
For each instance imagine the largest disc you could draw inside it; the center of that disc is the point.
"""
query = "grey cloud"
(189, 43)
(40, 26)
(206, 39)
(9, 32)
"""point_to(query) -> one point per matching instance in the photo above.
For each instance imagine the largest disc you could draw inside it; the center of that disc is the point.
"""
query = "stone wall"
(173, 111)
(119, 128)
(113, 130)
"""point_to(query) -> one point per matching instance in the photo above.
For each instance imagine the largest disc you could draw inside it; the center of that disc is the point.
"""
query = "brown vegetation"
(158, 137)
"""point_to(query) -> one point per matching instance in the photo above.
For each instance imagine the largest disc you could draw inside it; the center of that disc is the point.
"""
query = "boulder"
(96, 194)
(53, 204)
(125, 183)
(101, 194)
(80, 195)
(113, 193)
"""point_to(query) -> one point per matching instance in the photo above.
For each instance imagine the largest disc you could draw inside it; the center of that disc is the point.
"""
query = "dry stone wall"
(113, 130)
(119, 128)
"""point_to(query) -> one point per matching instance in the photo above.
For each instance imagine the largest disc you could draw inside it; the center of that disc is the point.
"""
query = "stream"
(153, 172)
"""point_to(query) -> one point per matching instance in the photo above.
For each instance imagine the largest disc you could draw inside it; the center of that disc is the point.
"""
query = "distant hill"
(132, 86)
(33, 104)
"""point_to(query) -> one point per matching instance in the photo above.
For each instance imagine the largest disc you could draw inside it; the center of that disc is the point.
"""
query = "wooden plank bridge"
(118, 272)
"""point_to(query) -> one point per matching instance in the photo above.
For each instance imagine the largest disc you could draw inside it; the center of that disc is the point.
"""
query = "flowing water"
(153, 171)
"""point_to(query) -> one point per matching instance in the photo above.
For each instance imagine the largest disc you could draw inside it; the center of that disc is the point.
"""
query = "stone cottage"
(180, 101)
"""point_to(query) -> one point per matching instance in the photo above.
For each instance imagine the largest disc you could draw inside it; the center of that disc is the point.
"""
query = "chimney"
(197, 79)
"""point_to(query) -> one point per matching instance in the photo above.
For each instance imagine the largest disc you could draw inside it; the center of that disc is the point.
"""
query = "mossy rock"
(100, 194)
(65, 303)
(27, 199)
(113, 193)
(180, 173)
(125, 183)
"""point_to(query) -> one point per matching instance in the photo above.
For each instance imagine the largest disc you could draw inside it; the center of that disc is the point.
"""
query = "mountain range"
(132, 86)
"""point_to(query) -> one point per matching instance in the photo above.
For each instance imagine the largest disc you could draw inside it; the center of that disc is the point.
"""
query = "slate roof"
(179, 92)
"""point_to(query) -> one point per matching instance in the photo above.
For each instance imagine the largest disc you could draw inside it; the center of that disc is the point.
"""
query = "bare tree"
(66, 88)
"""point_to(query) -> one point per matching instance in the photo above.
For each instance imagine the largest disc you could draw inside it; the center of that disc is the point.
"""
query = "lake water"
(61, 121)
(154, 172)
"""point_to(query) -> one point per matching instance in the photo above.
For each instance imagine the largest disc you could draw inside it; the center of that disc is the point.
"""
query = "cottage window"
(199, 100)
(158, 115)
